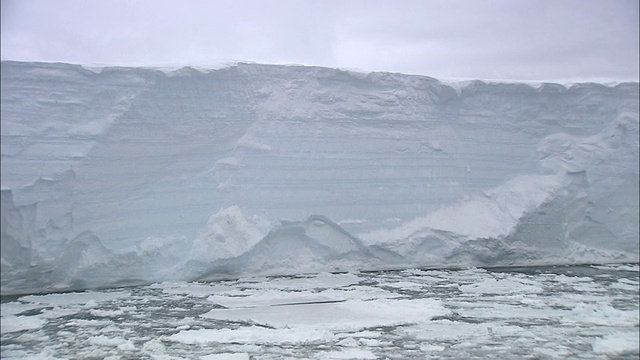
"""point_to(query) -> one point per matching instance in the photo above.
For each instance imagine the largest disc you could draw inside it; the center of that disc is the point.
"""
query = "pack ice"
(120, 176)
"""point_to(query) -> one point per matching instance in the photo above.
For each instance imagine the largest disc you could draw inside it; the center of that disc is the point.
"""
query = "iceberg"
(129, 176)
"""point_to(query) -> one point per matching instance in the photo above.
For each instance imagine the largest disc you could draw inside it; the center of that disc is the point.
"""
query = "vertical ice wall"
(120, 175)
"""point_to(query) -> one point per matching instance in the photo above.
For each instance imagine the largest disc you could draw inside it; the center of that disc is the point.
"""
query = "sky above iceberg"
(574, 40)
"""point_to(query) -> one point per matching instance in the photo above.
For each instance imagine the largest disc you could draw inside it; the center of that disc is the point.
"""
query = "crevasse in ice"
(130, 175)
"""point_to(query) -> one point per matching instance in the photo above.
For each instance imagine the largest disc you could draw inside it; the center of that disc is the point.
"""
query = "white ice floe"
(349, 315)
(88, 298)
(118, 342)
(618, 343)
(347, 354)
(20, 323)
(601, 314)
(226, 356)
(251, 335)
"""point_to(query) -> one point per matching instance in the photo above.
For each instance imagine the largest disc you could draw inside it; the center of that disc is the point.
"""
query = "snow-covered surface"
(128, 175)
(576, 312)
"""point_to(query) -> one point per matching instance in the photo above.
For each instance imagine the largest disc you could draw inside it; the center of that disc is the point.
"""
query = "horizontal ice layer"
(133, 175)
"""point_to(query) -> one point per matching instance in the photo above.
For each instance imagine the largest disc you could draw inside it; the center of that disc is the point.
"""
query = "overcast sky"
(575, 40)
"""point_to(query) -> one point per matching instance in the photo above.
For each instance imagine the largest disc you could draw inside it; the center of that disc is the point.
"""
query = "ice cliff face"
(132, 175)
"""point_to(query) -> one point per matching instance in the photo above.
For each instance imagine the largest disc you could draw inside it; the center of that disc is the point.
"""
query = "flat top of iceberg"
(172, 69)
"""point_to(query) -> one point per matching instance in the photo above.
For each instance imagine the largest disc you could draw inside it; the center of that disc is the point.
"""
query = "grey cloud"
(542, 39)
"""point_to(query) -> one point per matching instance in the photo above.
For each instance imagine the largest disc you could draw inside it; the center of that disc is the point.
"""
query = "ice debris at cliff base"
(111, 178)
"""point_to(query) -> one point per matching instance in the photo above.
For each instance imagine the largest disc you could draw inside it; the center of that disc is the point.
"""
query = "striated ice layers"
(131, 175)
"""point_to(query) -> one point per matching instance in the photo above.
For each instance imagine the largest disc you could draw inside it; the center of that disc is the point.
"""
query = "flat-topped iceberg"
(132, 175)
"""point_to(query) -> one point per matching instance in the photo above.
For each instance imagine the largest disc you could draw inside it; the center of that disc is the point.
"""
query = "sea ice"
(368, 319)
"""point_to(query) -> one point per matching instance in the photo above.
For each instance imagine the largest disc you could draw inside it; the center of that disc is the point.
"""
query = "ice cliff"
(120, 176)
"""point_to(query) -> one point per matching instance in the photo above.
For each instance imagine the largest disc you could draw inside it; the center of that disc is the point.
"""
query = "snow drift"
(131, 175)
